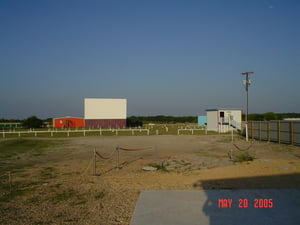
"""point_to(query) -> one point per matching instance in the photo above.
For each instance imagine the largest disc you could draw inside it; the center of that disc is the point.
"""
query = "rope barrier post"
(230, 154)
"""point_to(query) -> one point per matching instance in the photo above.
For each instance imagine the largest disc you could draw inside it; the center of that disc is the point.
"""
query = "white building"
(105, 112)
(223, 120)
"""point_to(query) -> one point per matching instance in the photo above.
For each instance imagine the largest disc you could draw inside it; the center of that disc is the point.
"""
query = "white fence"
(191, 130)
(68, 132)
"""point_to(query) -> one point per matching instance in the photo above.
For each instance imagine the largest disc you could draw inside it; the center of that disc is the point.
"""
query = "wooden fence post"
(252, 130)
(292, 132)
(269, 131)
(278, 128)
(260, 130)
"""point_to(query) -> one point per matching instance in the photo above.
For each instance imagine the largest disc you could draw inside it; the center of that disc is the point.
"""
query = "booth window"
(222, 114)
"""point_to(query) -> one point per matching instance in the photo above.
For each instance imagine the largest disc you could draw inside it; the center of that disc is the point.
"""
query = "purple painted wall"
(105, 123)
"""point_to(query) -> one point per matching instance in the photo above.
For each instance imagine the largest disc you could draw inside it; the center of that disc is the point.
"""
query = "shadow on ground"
(260, 182)
(252, 200)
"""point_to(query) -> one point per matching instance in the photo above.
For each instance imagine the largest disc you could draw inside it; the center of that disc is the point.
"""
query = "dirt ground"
(60, 187)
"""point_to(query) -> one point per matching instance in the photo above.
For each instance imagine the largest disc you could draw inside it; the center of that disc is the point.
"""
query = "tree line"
(135, 121)
(140, 120)
(271, 116)
(30, 122)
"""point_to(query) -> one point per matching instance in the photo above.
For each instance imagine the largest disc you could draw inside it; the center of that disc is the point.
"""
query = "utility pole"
(246, 82)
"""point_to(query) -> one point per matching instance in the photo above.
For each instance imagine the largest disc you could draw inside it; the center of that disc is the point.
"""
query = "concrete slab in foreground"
(218, 207)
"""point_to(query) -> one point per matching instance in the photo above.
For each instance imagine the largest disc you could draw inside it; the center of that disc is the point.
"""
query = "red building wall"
(105, 123)
(66, 122)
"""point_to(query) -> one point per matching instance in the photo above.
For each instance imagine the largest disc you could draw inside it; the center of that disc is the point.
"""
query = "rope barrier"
(230, 153)
(103, 157)
(245, 149)
(118, 149)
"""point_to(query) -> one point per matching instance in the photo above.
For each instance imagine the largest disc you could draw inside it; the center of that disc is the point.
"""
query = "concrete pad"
(218, 207)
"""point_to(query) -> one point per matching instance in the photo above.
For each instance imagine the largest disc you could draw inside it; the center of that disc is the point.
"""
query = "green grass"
(56, 186)
(43, 223)
(64, 196)
(13, 151)
(243, 157)
(17, 189)
(47, 173)
(32, 200)
(81, 202)
(158, 166)
(10, 148)
(70, 195)
(99, 195)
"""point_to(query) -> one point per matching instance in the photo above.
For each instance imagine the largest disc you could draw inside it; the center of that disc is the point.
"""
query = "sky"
(177, 57)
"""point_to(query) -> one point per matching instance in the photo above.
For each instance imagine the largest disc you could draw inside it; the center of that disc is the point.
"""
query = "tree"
(32, 122)
(134, 122)
(269, 116)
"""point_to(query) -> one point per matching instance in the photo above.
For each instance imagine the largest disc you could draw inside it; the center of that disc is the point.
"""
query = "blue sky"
(166, 57)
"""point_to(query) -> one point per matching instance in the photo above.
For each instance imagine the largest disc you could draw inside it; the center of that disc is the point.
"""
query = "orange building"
(66, 122)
